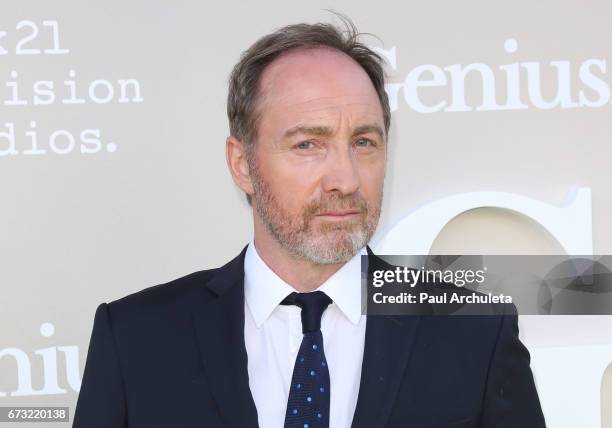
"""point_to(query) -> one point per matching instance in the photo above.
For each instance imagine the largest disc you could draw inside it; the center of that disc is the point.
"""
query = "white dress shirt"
(273, 334)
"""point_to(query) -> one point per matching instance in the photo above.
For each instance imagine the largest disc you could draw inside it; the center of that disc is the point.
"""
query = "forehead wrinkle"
(306, 107)
(369, 118)
(336, 107)
(359, 99)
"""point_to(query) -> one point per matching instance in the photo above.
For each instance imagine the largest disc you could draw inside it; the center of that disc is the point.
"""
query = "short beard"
(331, 243)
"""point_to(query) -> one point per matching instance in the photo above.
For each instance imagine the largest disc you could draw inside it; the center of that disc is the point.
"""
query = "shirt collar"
(264, 290)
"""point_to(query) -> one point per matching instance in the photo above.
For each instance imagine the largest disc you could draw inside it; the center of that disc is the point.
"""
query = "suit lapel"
(388, 345)
(219, 328)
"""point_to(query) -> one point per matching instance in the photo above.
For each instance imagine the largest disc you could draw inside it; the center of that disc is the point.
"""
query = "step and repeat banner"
(113, 175)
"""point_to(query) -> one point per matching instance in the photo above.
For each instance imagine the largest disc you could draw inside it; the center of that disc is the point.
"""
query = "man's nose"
(341, 172)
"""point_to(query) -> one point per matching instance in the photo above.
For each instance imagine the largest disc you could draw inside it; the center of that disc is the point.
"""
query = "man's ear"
(235, 154)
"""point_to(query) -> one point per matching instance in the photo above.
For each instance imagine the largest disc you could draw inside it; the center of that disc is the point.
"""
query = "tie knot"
(313, 305)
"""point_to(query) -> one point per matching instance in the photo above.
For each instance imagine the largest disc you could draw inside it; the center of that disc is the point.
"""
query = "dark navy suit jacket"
(174, 356)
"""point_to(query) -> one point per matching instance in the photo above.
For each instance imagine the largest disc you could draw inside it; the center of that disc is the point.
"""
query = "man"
(276, 338)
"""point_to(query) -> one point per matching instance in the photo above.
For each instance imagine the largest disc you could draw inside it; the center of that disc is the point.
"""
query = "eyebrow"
(365, 129)
(325, 131)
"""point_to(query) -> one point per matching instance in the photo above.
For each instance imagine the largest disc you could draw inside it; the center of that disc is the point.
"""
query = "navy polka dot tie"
(308, 403)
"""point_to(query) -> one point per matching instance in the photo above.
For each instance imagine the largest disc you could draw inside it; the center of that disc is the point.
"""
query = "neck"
(301, 274)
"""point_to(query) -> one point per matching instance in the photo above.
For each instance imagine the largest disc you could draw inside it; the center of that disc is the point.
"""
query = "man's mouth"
(338, 214)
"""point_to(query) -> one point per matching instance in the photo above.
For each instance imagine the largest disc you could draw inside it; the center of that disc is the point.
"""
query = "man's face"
(319, 160)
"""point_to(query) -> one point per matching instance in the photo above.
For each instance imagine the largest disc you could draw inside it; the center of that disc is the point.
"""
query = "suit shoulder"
(174, 294)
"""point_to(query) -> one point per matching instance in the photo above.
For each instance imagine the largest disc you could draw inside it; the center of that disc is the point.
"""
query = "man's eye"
(304, 145)
(364, 142)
